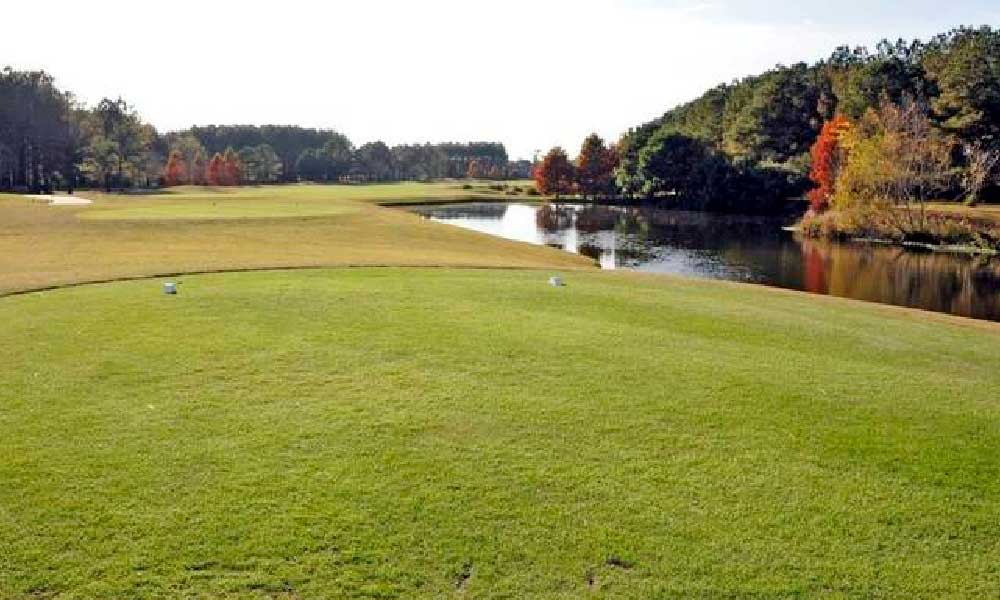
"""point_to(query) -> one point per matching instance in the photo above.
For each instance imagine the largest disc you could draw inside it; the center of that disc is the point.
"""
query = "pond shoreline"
(768, 251)
(917, 246)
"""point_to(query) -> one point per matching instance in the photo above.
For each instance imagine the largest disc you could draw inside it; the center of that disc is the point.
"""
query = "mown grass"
(303, 200)
(197, 229)
(429, 433)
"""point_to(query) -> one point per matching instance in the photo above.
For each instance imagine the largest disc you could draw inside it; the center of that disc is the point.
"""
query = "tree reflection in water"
(743, 248)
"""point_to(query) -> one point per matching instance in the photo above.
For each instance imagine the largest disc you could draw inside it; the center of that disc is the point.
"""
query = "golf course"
(345, 400)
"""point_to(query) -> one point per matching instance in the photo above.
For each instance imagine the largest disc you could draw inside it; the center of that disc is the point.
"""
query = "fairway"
(188, 229)
(401, 433)
(275, 201)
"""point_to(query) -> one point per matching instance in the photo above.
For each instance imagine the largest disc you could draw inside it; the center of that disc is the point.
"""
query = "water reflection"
(741, 248)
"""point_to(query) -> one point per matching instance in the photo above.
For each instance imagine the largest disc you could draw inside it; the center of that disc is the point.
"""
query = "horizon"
(419, 90)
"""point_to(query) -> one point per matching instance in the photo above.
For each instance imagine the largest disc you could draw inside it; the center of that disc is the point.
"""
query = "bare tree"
(982, 163)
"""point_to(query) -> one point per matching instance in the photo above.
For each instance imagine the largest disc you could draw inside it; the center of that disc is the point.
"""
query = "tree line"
(746, 146)
(50, 140)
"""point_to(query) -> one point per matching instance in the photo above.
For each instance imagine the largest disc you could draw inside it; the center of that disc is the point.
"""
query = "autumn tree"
(175, 172)
(198, 168)
(595, 167)
(827, 156)
(473, 172)
(232, 168)
(215, 173)
(555, 175)
(896, 162)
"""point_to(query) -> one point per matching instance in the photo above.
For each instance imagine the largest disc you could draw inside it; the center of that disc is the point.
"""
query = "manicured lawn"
(197, 229)
(429, 433)
(282, 200)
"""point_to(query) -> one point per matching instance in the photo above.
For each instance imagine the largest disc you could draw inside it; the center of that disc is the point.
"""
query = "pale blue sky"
(529, 73)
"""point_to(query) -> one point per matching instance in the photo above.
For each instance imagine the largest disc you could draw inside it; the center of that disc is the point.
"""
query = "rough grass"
(942, 226)
(194, 229)
(428, 433)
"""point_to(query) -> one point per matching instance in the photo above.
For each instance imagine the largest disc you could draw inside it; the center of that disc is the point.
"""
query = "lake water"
(739, 248)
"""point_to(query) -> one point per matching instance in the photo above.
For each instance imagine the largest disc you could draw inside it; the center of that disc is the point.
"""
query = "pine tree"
(595, 167)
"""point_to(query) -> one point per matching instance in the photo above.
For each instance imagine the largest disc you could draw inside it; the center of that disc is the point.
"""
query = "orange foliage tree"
(555, 175)
(175, 172)
(215, 174)
(827, 156)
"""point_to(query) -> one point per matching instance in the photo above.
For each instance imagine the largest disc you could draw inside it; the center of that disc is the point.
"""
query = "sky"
(530, 73)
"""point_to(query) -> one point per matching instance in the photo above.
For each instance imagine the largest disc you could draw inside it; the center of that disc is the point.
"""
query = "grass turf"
(196, 229)
(426, 433)
(303, 200)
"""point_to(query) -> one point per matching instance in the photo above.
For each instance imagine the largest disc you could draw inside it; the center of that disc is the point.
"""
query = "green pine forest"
(745, 145)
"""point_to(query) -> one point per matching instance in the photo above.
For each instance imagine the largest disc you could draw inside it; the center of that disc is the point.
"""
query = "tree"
(232, 168)
(35, 129)
(176, 171)
(826, 160)
(199, 168)
(120, 124)
(312, 165)
(595, 167)
(339, 153)
(101, 160)
(964, 65)
(776, 118)
(896, 159)
(474, 171)
(678, 165)
(981, 166)
(268, 164)
(215, 174)
(555, 175)
(192, 154)
(375, 161)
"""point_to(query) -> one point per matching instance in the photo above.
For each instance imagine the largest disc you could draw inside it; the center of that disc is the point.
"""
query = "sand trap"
(60, 200)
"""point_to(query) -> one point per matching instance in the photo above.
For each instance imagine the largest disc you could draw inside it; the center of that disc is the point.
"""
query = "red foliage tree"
(826, 160)
(197, 173)
(215, 174)
(175, 172)
(555, 175)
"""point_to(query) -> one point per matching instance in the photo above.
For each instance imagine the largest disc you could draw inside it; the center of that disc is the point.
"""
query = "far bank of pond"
(742, 248)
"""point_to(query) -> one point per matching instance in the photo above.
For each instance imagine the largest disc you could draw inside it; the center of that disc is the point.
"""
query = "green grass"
(183, 230)
(208, 208)
(280, 201)
(435, 433)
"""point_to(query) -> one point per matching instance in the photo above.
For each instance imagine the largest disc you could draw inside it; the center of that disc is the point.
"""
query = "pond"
(741, 248)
